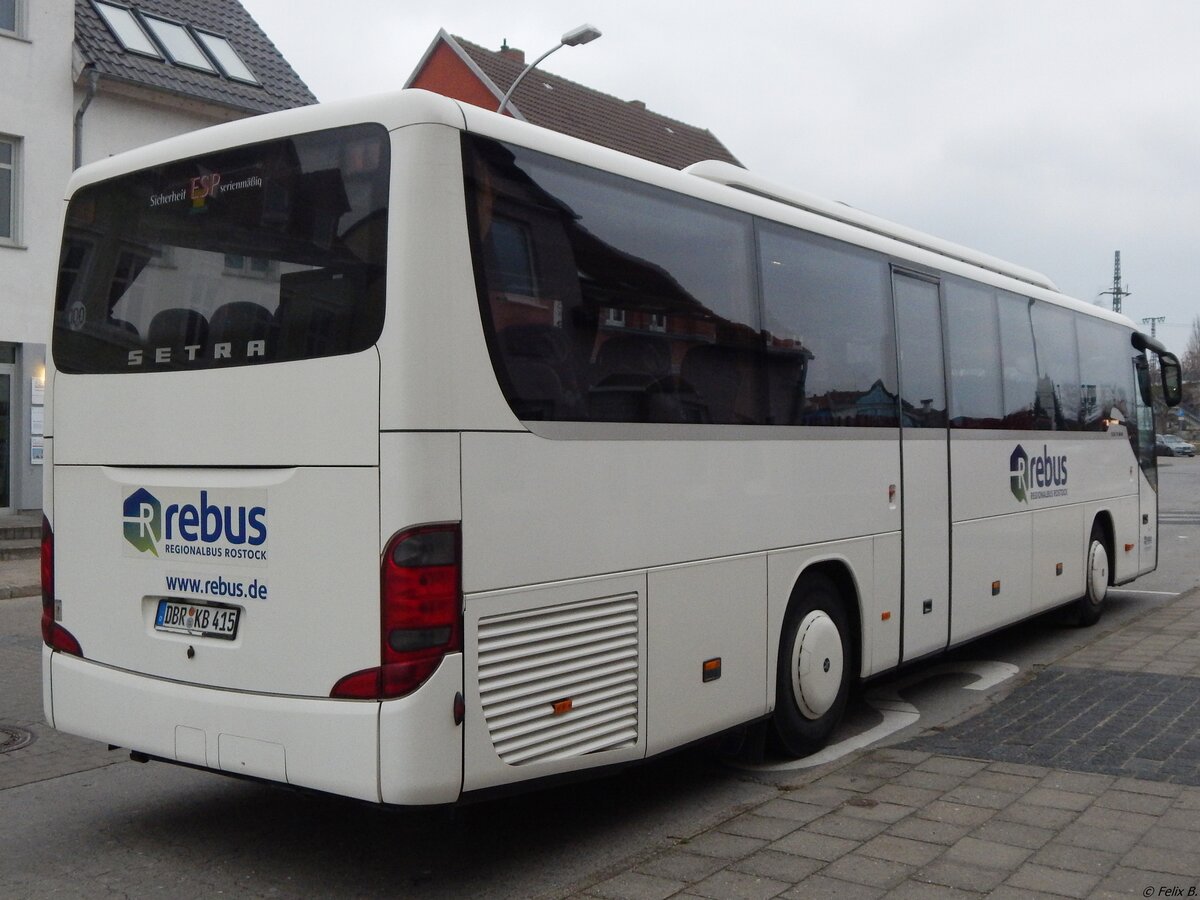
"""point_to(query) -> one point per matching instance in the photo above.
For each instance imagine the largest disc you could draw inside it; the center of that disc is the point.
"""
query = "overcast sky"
(1046, 132)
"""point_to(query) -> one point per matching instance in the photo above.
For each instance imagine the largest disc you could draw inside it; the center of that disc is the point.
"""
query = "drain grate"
(13, 738)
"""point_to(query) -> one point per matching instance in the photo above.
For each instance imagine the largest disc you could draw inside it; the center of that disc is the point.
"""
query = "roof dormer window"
(126, 29)
(177, 41)
(226, 57)
(149, 34)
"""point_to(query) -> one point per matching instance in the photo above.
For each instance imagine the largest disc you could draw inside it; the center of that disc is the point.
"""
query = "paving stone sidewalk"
(953, 815)
(20, 578)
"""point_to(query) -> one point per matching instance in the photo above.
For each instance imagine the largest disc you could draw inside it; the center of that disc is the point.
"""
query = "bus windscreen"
(263, 253)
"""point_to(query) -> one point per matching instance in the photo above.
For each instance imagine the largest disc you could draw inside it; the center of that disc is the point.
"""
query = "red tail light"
(55, 636)
(420, 613)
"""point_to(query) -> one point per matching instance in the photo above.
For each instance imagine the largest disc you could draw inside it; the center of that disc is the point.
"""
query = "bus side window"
(830, 331)
(1058, 397)
(1018, 363)
(973, 354)
(1105, 374)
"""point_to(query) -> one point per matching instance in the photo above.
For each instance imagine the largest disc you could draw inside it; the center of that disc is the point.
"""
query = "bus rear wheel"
(1095, 582)
(814, 668)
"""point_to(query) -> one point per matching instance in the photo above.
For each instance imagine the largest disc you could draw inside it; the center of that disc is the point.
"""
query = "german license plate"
(197, 619)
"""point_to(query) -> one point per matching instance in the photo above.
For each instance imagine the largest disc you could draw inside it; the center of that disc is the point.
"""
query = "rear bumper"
(406, 751)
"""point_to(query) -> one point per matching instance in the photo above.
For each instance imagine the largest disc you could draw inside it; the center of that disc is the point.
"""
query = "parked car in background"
(1172, 445)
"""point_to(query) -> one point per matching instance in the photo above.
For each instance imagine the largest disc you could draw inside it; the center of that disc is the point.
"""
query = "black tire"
(815, 666)
(1096, 565)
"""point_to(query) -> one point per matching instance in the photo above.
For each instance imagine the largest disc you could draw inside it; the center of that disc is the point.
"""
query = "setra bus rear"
(226, 322)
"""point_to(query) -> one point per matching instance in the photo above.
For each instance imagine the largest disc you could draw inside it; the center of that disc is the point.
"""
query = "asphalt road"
(91, 823)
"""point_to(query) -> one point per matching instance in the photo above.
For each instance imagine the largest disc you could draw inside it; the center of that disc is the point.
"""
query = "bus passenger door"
(925, 467)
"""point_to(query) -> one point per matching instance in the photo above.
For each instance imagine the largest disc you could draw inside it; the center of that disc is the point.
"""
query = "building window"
(248, 266)
(11, 17)
(140, 32)
(226, 57)
(10, 159)
(178, 43)
(126, 29)
(614, 316)
(513, 251)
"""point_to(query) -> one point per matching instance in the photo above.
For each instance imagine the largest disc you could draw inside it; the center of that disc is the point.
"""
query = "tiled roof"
(564, 106)
(279, 86)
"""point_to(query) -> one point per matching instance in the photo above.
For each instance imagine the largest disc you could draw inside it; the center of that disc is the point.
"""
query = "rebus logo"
(1042, 477)
(204, 528)
(143, 521)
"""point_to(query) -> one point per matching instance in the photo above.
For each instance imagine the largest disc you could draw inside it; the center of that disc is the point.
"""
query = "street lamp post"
(581, 35)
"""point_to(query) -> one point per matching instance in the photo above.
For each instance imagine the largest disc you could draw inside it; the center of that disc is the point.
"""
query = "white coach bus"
(404, 451)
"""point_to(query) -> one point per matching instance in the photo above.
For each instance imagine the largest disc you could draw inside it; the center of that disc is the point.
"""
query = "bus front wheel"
(814, 668)
(1095, 583)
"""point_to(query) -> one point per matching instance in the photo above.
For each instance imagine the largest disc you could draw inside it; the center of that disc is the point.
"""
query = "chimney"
(637, 104)
(512, 53)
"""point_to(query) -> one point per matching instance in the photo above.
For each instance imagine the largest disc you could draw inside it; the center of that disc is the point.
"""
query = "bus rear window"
(259, 254)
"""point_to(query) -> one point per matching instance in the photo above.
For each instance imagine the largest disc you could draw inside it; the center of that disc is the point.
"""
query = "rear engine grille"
(562, 681)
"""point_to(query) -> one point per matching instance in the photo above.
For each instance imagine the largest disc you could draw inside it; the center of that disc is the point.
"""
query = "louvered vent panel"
(586, 653)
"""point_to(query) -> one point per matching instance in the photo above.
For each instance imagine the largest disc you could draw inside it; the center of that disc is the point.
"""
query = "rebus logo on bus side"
(204, 529)
(1038, 478)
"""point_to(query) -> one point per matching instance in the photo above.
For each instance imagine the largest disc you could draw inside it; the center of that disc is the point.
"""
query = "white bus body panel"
(998, 537)
(988, 552)
(418, 480)
(925, 501)
(1148, 516)
(660, 502)
(286, 739)
(697, 613)
(1059, 551)
(285, 414)
(382, 750)
(445, 383)
(309, 612)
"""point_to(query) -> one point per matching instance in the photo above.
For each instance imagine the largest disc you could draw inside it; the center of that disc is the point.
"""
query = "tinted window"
(830, 331)
(922, 376)
(1058, 393)
(611, 300)
(1018, 363)
(259, 254)
(1106, 373)
(973, 351)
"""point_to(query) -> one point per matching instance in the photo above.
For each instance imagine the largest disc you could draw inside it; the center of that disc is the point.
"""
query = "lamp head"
(581, 35)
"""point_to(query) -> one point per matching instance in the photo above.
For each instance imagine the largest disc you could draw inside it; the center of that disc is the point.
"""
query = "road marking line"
(1156, 593)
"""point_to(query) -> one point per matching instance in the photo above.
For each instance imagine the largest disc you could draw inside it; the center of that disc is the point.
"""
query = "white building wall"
(116, 122)
(35, 106)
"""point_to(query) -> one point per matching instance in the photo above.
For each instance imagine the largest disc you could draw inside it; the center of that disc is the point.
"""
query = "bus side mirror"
(1172, 378)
